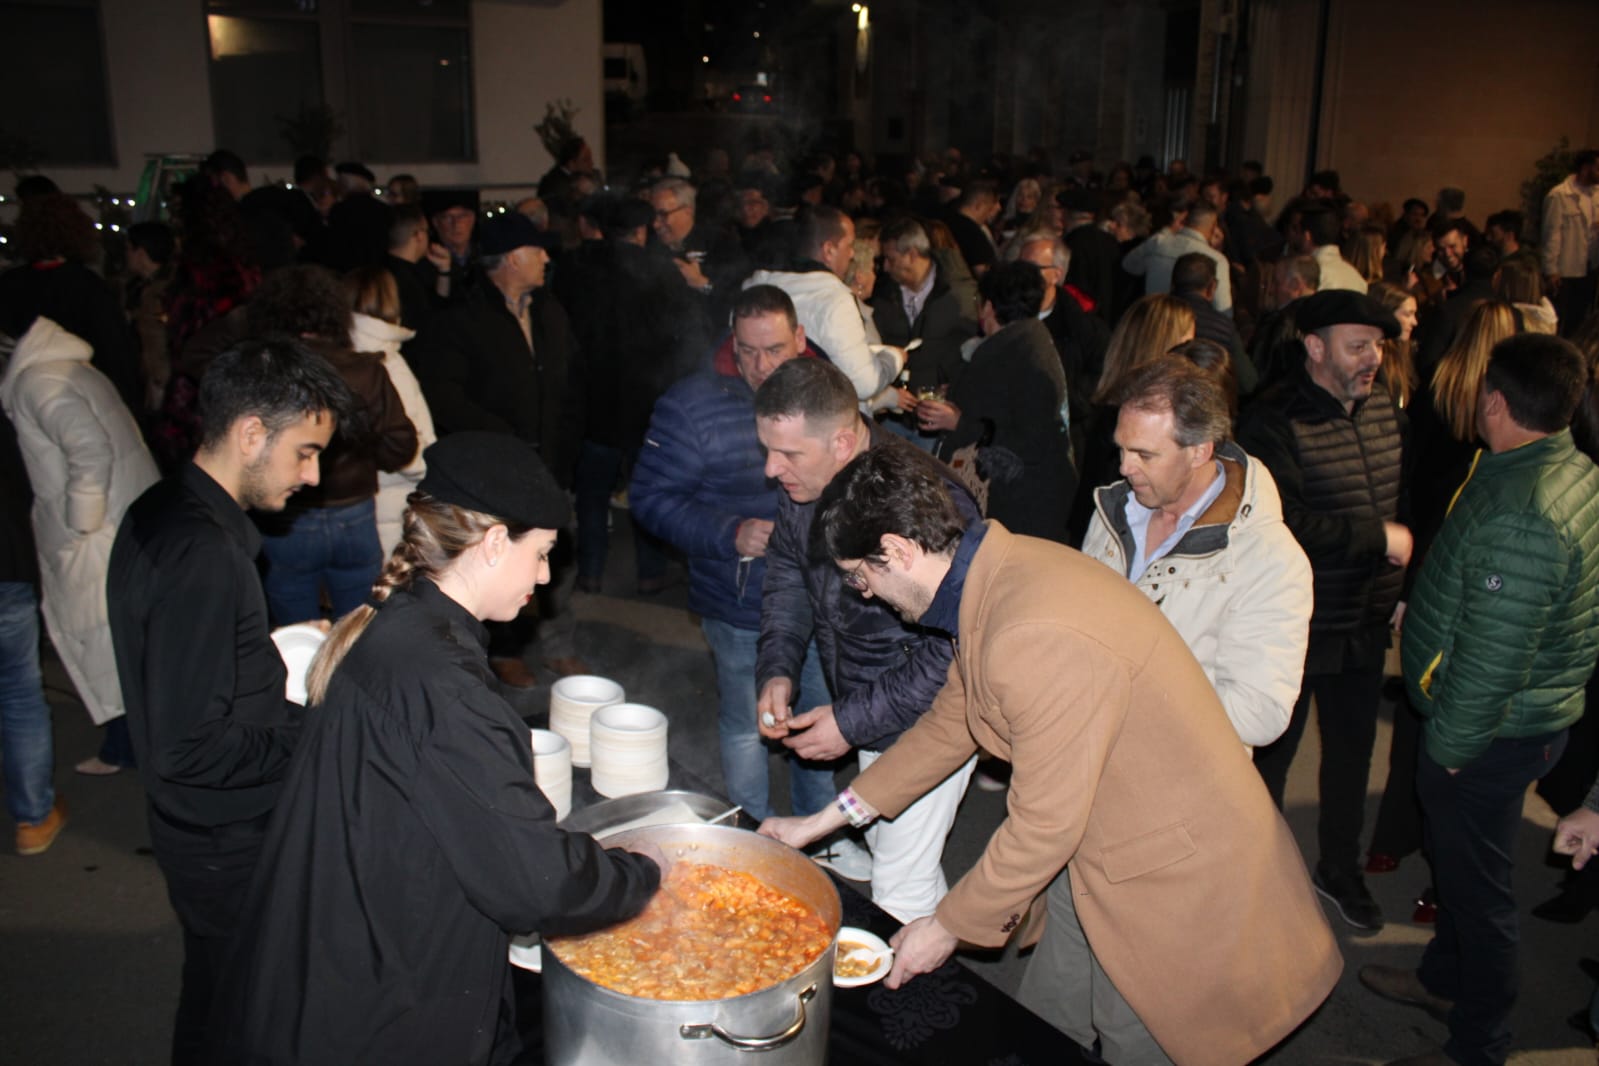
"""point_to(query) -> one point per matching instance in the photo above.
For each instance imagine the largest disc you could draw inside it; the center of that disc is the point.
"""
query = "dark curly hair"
(893, 488)
(53, 226)
(300, 301)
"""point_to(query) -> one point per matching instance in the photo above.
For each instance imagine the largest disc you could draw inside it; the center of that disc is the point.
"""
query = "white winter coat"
(370, 334)
(833, 322)
(1237, 587)
(1570, 247)
(87, 462)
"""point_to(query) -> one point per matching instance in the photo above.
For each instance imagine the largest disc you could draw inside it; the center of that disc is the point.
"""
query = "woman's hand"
(937, 416)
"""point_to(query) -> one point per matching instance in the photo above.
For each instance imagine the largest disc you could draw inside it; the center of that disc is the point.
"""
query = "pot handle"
(752, 1043)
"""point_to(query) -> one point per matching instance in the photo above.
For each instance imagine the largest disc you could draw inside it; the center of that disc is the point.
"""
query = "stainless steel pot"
(784, 1025)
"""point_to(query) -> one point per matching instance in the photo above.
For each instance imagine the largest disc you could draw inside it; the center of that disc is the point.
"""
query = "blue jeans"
(1472, 819)
(332, 547)
(744, 750)
(598, 467)
(25, 739)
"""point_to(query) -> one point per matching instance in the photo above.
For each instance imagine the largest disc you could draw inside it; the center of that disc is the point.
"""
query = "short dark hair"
(1322, 223)
(813, 389)
(1541, 378)
(1262, 186)
(819, 224)
(1192, 272)
(1413, 202)
(278, 380)
(222, 161)
(1509, 221)
(300, 300)
(1201, 412)
(977, 190)
(1015, 289)
(1451, 198)
(758, 300)
(892, 488)
(35, 185)
(628, 215)
(155, 238)
(1328, 179)
(307, 167)
(408, 218)
(1584, 158)
(1481, 262)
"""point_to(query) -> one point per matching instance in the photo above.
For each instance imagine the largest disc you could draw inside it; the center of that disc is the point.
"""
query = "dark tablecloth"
(951, 1017)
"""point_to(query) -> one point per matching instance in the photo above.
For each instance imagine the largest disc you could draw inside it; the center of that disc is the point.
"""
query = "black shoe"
(1568, 908)
(1346, 890)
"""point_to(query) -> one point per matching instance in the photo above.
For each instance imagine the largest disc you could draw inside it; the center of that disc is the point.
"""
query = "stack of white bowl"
(573, 700)
(552, 770)
(628, 743)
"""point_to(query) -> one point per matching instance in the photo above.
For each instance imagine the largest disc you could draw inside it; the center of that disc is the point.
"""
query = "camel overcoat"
(1187, 882)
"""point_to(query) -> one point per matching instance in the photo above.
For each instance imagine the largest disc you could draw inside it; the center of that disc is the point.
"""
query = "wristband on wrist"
(853, 810)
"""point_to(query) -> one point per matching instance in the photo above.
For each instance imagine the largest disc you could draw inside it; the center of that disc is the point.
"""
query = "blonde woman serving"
(411, 843)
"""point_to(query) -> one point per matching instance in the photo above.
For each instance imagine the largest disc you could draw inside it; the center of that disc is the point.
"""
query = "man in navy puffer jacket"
(699, 484)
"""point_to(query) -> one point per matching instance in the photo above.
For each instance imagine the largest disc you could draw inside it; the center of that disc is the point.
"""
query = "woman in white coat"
(87, 462)
(375, 300)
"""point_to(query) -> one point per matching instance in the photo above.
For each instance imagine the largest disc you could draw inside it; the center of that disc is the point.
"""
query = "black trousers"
(1472, 820)
(1574, 301)
(1346, 713)
(208, 874)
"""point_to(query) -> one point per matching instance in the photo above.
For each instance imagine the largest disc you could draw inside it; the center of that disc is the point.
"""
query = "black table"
(951, 1017)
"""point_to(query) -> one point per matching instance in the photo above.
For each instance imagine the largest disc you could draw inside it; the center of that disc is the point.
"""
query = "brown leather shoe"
(36, 837)
(566, 666)
(514, 672)
(1404, 986)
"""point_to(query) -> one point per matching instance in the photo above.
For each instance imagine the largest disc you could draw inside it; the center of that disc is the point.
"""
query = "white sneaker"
(844, 857)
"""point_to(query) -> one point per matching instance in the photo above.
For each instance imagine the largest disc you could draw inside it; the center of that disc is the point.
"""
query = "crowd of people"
(1077, 485)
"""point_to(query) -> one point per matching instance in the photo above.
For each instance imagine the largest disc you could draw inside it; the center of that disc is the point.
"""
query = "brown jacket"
(1187, 882)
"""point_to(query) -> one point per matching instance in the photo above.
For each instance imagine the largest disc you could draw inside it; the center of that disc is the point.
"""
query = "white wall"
(524, 54)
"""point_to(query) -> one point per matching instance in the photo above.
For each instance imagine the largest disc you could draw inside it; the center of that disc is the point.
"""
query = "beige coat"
(1187, 882)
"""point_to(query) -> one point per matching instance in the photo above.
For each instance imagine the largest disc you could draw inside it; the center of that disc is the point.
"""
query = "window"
(395, 77)
(54, 106)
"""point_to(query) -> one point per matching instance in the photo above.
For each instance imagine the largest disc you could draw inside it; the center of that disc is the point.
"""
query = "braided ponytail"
(435, 534)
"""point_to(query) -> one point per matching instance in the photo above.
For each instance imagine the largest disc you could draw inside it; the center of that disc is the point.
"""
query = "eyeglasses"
(855, 577)
(664, 215)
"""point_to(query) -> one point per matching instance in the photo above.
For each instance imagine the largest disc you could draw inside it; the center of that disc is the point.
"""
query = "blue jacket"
(700, 473)
(883, 672)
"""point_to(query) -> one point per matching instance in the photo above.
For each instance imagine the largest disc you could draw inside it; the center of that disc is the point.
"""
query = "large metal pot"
(784, 1025)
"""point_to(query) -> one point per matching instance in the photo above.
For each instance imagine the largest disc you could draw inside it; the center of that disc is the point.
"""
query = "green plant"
(1549, 170)
(311, 130)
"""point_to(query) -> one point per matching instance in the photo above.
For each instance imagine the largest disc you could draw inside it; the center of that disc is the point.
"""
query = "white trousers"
(907, 875)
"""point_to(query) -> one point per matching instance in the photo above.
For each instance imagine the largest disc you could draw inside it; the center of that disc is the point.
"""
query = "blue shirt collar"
(944, 612)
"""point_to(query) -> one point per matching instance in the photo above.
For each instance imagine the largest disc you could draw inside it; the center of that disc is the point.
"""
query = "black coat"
(418, 287)
(358, 232)
(943, 325)
(410, 845)
(1096, 259)
(1015, 384)
(477, 372)
(975, 244)
(1341, 477)
(18, 561)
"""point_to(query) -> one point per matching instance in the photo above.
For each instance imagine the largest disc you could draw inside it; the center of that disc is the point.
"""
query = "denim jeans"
(1472, 819)
(332, 547)
(25, 738)
(744, 750)
(598, 467)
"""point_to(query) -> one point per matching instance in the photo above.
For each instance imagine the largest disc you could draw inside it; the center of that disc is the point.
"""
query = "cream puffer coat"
(87, 462)
(1237, 587)
(368, 334)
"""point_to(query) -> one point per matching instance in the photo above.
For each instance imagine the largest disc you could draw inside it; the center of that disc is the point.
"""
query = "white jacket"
(1237, 587)
(1570, 246)
(87, 462)
(1336, 271)
(369, 334)
(832, 321)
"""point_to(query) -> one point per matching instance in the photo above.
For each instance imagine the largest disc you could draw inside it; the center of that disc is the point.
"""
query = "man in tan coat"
(1181, 923)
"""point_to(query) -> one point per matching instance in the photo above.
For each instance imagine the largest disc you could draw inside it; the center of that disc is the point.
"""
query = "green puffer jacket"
(1500, 635)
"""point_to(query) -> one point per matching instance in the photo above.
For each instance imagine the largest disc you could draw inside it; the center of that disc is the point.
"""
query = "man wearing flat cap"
(1332, 438)
(500, 361)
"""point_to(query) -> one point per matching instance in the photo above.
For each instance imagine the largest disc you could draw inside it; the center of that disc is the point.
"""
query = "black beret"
(495, 474)
(1344, 307)
(508, 232)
